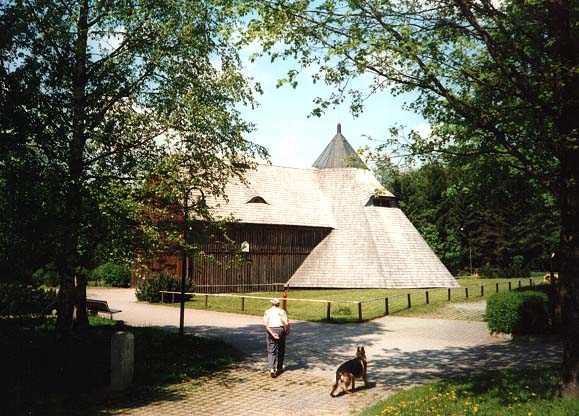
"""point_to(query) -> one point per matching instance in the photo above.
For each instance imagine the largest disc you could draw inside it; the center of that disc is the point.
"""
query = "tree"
(473, 212)
(496, 78)
(110, 89)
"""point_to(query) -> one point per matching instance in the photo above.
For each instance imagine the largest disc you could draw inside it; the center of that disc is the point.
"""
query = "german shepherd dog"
(347, 373)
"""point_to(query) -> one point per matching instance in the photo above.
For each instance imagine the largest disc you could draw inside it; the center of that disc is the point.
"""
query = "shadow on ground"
(403, 369)
(323, 348)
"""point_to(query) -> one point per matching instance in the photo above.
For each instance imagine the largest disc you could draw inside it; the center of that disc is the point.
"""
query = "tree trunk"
(569, 286)
(81, 320)
(566, 52)
(68, 295)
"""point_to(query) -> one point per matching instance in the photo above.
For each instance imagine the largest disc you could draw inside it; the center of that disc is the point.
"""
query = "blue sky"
(295, 140)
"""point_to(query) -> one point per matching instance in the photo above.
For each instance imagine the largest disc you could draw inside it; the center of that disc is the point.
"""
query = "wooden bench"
(94, 306)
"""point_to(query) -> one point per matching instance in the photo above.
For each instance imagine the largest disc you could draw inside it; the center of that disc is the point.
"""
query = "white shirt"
(275, 317)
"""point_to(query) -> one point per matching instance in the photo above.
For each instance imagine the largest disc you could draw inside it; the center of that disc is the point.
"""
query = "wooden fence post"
(427, 300)
(409, 302)
(328, 311)
(162, 297)
(519, 284)
(449, 294)
(510, 286)
(482, 290)
(386, 307)
(206, 299)
(360, 311)
(531, 282)
(466, 292)
(242, 303)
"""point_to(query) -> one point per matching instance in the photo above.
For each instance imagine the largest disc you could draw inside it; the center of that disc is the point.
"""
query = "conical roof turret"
(339, 154)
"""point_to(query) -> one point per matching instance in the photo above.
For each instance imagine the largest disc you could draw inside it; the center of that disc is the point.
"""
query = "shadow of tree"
(314, 346)
(402, 369)
(143, 396)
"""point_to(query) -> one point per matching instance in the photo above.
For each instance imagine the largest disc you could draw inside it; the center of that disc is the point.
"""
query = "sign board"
(245, 247)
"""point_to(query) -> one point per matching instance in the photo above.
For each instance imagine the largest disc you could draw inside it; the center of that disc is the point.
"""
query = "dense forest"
(477, 214)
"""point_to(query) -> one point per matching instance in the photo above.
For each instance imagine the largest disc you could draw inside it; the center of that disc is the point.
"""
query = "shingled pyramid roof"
(339, 154)
(372, 244)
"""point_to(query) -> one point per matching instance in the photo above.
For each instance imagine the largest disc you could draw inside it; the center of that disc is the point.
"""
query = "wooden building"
(329, 226)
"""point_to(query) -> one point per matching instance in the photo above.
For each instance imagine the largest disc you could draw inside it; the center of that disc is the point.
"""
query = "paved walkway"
(401, 351)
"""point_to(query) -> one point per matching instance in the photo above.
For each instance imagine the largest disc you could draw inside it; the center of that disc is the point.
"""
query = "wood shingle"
(367, 246)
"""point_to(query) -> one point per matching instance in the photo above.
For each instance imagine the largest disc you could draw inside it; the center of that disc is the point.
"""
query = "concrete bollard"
(122, 360)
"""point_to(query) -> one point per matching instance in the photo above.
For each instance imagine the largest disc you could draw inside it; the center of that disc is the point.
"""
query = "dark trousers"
(276, 348)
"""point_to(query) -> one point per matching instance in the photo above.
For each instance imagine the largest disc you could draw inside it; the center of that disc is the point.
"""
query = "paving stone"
(245, 391)
(402, 352)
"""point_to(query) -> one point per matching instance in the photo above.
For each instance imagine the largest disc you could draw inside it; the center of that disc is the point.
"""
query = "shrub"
(516, 269)
(344, 310)
(46, 277)
(17, 300)
(150, 287)
(112, 274)
(486, 271)
(519, 312)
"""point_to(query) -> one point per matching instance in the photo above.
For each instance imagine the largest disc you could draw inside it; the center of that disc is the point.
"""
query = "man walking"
(277, 327)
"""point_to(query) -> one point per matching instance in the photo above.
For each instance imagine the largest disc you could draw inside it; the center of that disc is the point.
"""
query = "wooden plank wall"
(275, 254)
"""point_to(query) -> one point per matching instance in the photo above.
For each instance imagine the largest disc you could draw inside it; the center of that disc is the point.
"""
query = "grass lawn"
(506, 392)
(43, 376)
(343, 302)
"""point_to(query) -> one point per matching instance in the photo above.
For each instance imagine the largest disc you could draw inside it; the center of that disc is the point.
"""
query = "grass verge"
(507, 392)
(342, 310)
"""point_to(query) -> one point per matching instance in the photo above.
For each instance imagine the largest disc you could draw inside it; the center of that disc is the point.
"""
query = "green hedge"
(111, 274)
(18, 300)
(46, 277)
(150, 288)
(520, 312)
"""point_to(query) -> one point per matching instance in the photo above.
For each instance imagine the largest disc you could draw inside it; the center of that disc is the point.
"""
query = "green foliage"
(461, 213)
(519, 312)
(17, 299)
(497, 83)
(116, 275)
(505, 392)
(516, 269)
(150, 288)
(46, 277)
(95, 97)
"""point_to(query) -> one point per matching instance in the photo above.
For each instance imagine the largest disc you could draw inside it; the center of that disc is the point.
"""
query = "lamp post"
(184, 263)
(245, 253)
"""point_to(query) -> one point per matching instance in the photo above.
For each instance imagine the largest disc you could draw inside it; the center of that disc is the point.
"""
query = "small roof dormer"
(257, 200)
(339, 154)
